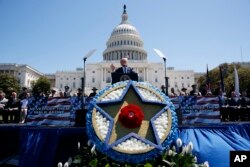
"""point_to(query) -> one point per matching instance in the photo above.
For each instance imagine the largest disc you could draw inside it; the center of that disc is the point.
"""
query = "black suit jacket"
(120, 70)
(13, 103)
(116, 75)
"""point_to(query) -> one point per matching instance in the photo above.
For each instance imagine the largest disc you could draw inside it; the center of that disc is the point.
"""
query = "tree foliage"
(9, 83)
(228, 76)
(42, 85)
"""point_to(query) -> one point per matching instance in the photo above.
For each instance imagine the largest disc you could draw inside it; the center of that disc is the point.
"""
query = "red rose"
(131, 116)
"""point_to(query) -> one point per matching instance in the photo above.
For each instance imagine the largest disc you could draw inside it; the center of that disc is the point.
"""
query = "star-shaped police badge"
(131, 121)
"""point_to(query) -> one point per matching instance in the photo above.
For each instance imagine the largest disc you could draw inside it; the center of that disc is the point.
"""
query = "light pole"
(90, 53)
(159, 53)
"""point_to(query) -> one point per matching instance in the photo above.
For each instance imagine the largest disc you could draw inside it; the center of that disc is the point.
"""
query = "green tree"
(9, 83)
(244, 78)
(42, 85)
(228, 75)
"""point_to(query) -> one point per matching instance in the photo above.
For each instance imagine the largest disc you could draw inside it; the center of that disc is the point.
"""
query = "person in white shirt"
(24, 108)
(3, 102)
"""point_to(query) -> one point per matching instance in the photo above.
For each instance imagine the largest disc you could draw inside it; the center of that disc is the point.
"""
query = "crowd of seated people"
(14, 109)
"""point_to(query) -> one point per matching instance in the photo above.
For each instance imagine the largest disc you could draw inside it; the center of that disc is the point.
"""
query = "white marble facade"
(24, 73)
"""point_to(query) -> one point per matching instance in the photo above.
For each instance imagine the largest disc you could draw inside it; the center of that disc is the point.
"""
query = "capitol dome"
(125, 41)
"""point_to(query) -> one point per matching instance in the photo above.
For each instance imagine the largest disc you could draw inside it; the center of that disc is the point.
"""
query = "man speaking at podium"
(123, 73)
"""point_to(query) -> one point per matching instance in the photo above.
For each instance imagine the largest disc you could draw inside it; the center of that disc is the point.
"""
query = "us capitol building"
(124, 41)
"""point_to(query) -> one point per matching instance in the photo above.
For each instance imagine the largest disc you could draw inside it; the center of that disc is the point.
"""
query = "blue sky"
(54, 35)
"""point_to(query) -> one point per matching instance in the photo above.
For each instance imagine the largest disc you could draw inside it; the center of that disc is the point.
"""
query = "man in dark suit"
(124, 69)
(13, 108)
(66, 92)
(123, 73)
(92, 94)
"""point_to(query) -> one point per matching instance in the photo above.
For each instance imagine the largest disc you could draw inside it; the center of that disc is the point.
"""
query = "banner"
(175, 100)
(199, 109)
(53, 111)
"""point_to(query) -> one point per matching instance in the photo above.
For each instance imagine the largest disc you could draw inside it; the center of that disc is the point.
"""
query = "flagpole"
(208, 81)
(222, 80)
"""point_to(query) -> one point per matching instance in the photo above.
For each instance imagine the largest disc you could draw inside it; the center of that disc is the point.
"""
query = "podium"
(118, 77)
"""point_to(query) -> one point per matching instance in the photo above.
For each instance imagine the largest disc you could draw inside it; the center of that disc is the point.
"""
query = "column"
(144, 74)
(101, 74)
(105, 75)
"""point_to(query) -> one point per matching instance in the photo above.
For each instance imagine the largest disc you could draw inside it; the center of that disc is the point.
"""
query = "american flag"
(200, 109)
(175, 101)
(59, 102)
(54, 111)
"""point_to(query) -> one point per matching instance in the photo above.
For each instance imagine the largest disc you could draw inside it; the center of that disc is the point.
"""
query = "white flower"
(133, 144)
(179, 142)
(195, 159)
(78, 145)
(102, 124)
(184, 149)
(66, 164)
(173, 148)
(59, 164)
(70, 161)
(93, 150)
(206, 164)
(170, 152)
(174, 153)
(190, 147)
(161, 124)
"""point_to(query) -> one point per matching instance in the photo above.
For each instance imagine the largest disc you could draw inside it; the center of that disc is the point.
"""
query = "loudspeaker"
(80, 119)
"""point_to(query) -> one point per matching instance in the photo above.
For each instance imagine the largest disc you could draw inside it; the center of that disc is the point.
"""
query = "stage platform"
(27, 146)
